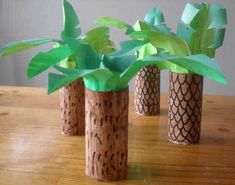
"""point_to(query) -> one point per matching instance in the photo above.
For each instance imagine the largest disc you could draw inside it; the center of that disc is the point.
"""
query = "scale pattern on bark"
(185, 107)
(72, 108)
(147, 91)
(106, 134)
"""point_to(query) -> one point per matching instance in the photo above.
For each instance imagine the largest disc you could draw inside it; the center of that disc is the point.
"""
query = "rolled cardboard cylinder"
(72, 108)
(185, 108)
(147, 91)
(106, 121)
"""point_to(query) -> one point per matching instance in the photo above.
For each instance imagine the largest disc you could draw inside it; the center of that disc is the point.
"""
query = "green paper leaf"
(45, 60)
(87, 58)
(127, 47)
(118, 64)
(184, 32)
(146, 50)
(202, 27)
(198, 64)
(107, 21)
(156, 19)
(169, 43)
(218, 16)
(22, 45)
(219, 38)
(96, 79)
(98, 39)
(71, 21)
(190, 11)
(56, 81)
(158, 60)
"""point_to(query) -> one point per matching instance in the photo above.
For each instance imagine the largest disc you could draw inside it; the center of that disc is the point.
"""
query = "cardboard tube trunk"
(185, 108)
(106, 134)
(147, 91)
(72, 108)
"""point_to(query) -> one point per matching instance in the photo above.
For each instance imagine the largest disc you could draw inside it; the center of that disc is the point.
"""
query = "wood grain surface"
(33, 151)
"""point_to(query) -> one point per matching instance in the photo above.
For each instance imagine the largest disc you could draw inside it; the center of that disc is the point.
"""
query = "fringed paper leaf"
(22, 45)
(168, 43)
(146, 50)
(127, 47)
(117, 72)
(98, 39)
(198, 64)
(156, 19)
(202, 26)
(107, 21)
(71, 21)
(45, 60)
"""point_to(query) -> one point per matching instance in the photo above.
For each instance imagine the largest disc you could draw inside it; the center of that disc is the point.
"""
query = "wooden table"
(33, 151)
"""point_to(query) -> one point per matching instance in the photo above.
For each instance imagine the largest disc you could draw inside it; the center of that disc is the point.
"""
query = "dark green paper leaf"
(45, 60)
(71, 21)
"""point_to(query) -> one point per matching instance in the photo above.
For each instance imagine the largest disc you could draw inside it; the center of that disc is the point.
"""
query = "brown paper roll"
(185, 108)
(147, 91)
(72, 108)
(106, 134)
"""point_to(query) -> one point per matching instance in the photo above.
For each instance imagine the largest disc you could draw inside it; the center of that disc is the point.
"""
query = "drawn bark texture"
(185, 108)
(147, 91)
(106, 134)
(72, 108)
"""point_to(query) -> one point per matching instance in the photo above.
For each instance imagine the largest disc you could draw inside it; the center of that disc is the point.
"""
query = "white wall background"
(23, 19)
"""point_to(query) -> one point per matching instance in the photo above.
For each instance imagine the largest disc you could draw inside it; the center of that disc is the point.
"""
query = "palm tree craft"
(72, 99)
(200, 33)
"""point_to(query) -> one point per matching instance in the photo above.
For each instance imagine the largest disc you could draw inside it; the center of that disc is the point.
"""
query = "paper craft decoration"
(107, 134)
(147, 91)
(199, 34)
(72, 96)
(72, 111)
(202, 27)
(185, 108)
(108, 75)
(147, 80)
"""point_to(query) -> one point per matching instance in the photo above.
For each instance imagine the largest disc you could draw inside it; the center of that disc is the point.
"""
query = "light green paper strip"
(107, 21)
(98, 38)
(22, 45)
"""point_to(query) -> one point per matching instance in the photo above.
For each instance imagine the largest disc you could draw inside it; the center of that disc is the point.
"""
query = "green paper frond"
(202, 26)
(71, 21)
(18, 46)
